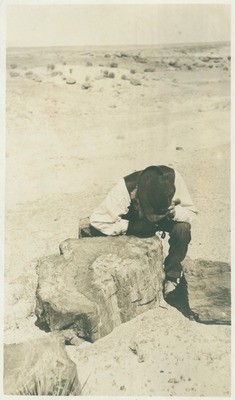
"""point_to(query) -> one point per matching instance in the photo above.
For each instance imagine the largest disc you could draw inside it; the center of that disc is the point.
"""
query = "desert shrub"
(229, 58)
(114, 65)
(70, 70)
(133, 71)
(107, 56)
(29, 73)
(41, 386)
(149, 70)
(89, 64)
(106, 73)
(13, 66)
(50, 66)
(64, 63)
(173, 63)
(14, 74)
(124, 77)
(111, 75)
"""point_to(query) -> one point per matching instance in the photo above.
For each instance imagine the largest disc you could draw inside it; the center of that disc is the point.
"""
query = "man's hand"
(171, 211)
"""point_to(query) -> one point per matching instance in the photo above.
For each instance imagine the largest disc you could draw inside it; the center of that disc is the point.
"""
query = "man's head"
(155, 191)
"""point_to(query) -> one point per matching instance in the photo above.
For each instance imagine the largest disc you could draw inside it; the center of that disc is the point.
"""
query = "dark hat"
(155, 191)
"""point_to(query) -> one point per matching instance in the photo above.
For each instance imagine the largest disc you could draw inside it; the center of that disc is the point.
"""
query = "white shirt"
(107, 216)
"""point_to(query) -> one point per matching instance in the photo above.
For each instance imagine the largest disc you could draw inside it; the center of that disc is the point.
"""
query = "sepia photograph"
(117, 192)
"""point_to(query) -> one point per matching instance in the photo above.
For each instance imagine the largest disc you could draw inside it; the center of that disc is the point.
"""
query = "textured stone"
(40, 365)
(98, 283)
(209, 289)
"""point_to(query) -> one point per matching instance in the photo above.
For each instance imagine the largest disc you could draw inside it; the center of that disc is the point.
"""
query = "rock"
(179, 148)
(98, 283)
(209, 289)
(39, 365)
(140, 59)
(86, 85)
(70, 81)
(173, 63)
(37, 79)
(135, 82)
(205, 59)
(149, 70)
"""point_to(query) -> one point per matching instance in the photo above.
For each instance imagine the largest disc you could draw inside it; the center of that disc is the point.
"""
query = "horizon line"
(119, 45)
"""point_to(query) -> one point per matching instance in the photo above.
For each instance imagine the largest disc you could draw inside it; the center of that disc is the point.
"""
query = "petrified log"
(209, 287)
(96, 284)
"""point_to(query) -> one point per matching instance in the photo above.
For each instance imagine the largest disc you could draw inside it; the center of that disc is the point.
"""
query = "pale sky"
(116, 24)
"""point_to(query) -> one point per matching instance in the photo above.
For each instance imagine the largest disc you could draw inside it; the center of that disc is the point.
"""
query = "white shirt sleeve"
(107, 216)
(185, 210)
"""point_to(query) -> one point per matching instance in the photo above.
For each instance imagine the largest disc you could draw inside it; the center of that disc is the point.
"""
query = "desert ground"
(78, 119)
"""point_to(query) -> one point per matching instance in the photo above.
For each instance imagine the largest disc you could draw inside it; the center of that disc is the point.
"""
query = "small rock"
(135, 82)
(86, 85)
(70, 81)
(205, 59)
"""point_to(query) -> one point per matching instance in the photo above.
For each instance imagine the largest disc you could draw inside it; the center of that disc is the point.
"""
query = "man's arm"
(107, 216)
(184, 209)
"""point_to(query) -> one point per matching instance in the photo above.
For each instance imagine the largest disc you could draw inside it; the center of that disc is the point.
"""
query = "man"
(143, 203)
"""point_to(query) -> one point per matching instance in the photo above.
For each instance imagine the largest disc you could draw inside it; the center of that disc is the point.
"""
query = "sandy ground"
(66, 146)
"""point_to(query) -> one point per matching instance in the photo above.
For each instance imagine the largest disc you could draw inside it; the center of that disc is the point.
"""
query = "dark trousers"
(180, 237)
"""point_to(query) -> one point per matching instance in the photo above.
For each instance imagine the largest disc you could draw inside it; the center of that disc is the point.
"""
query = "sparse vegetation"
(14, 74)
(133, 71)
(149, 69)
(71, 70)
(111, 75)
(42, 386)
(107, 56)
(29, 73)
(113, 65)
(51, 67)
(105, 74)
(89, 64)
(13, 66)
(124, 77)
